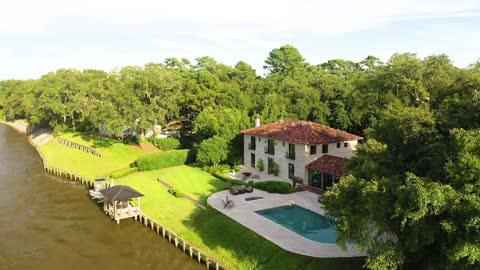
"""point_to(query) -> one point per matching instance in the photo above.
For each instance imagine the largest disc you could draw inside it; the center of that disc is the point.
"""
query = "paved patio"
(244, 213)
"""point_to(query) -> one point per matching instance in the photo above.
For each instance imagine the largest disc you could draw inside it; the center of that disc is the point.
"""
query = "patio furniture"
(228, 203)
(237, 190)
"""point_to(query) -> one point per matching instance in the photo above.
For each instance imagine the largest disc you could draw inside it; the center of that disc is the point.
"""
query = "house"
(313, 152)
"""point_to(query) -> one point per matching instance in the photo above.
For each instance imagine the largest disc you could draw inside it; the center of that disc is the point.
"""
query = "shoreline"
(195, 253)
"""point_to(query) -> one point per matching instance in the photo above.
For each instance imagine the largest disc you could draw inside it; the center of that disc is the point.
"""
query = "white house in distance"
(311, 151)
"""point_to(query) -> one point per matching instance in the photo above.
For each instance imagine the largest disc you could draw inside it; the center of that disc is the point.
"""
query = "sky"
(37, 37)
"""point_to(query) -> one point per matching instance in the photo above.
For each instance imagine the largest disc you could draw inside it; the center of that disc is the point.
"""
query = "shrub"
(165, 143)
(260, 165)
(275, 168)
(237, 168)
(160, 160)
(175, 192)
(212, 151)
(273, 186)
(132, 140)
(124, 172)
(296, 180)
(236, 182)
(223, 168)
(222, 176)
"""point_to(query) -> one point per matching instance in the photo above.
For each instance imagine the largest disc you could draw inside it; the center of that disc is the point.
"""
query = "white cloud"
(32, 17)
(226, 30)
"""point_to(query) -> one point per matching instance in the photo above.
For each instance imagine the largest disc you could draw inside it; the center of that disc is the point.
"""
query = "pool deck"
(244, 213)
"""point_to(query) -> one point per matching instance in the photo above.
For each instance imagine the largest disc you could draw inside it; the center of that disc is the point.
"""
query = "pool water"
(303, 222)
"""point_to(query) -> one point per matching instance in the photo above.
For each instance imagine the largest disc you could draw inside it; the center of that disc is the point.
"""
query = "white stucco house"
(313, 152)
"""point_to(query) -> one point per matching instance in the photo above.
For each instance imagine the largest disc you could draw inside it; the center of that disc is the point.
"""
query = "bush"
(160, 160)
(275, 168)
(212, 151)
(175, 192)
(166, 143)
(260, 165)
(124, 172)
(222, 176)
(223, 168)
(273, 186)
(132, 140)
(296, 180)
(236, 182)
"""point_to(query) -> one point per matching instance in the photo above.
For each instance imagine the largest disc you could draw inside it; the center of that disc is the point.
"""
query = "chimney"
(257, 120)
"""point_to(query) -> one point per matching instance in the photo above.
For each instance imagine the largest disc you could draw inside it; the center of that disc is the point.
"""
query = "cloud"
(31, 17)
(41, 36)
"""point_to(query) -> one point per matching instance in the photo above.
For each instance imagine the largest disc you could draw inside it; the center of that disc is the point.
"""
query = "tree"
(285, 60)
(212, 151)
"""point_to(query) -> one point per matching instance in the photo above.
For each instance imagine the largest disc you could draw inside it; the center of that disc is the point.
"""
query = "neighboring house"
(311, 151)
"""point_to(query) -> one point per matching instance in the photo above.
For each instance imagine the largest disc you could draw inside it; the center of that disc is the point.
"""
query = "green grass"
(116, 155)
(232, 244)
(221, 237)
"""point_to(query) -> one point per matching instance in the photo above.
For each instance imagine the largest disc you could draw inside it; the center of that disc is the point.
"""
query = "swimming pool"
(303, 222)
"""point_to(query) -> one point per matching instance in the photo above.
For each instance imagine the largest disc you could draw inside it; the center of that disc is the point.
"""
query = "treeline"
(412, 193)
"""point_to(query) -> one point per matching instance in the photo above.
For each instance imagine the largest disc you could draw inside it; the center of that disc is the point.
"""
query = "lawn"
(116, 155)
(221, 237)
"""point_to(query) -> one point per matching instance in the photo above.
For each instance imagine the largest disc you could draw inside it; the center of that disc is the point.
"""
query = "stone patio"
(244, 213)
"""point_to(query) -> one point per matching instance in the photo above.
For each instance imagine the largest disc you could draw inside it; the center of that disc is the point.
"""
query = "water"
(304, 222)
(50, 223)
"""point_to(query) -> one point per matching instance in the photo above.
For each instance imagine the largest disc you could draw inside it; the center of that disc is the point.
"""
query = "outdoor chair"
(228, 203)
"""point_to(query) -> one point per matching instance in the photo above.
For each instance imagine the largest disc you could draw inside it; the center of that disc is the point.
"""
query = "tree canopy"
(410, 196)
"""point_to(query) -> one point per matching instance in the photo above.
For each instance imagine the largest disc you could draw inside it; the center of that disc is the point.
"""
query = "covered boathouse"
(116, 202)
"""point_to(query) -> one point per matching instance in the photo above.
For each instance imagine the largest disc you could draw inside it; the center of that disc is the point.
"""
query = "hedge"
(124, 172)
(273, 186)
(175, 192)
(165, 143)
(222, 176)
(164, 159)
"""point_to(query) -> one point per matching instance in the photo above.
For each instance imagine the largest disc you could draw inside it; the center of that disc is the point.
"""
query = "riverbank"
(36, 137)
(234, 245)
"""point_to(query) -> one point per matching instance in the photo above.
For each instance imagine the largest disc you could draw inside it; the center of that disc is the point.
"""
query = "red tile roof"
(298, 131)
(328, 164)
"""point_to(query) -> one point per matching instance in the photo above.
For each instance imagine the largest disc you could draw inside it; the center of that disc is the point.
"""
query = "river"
(50, 223)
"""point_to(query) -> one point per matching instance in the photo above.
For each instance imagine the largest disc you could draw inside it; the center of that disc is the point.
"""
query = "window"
(270, 149)
(345, 144)
(313, 149)
(259, 139)
(291, 170)
(283, 144)
(338, 145)
(291, 151)
(324, 148)
(252, 160)
(252, 145)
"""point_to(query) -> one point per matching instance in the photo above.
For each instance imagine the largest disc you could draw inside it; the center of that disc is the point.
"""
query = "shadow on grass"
(240, 248)
(96, 140)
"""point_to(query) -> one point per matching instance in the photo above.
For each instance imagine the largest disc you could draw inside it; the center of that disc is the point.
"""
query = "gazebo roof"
(120, 193)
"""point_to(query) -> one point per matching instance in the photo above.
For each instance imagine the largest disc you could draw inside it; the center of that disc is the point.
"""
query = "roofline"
(358, 139)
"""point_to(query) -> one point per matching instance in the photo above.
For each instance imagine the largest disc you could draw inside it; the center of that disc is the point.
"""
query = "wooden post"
(191, 252)
(207, 262)
(158, 229)
(199, 256)
(163, 232)
(176, 242)
(169, 237)
(151, 223)
(183, 246)
(217, 267)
